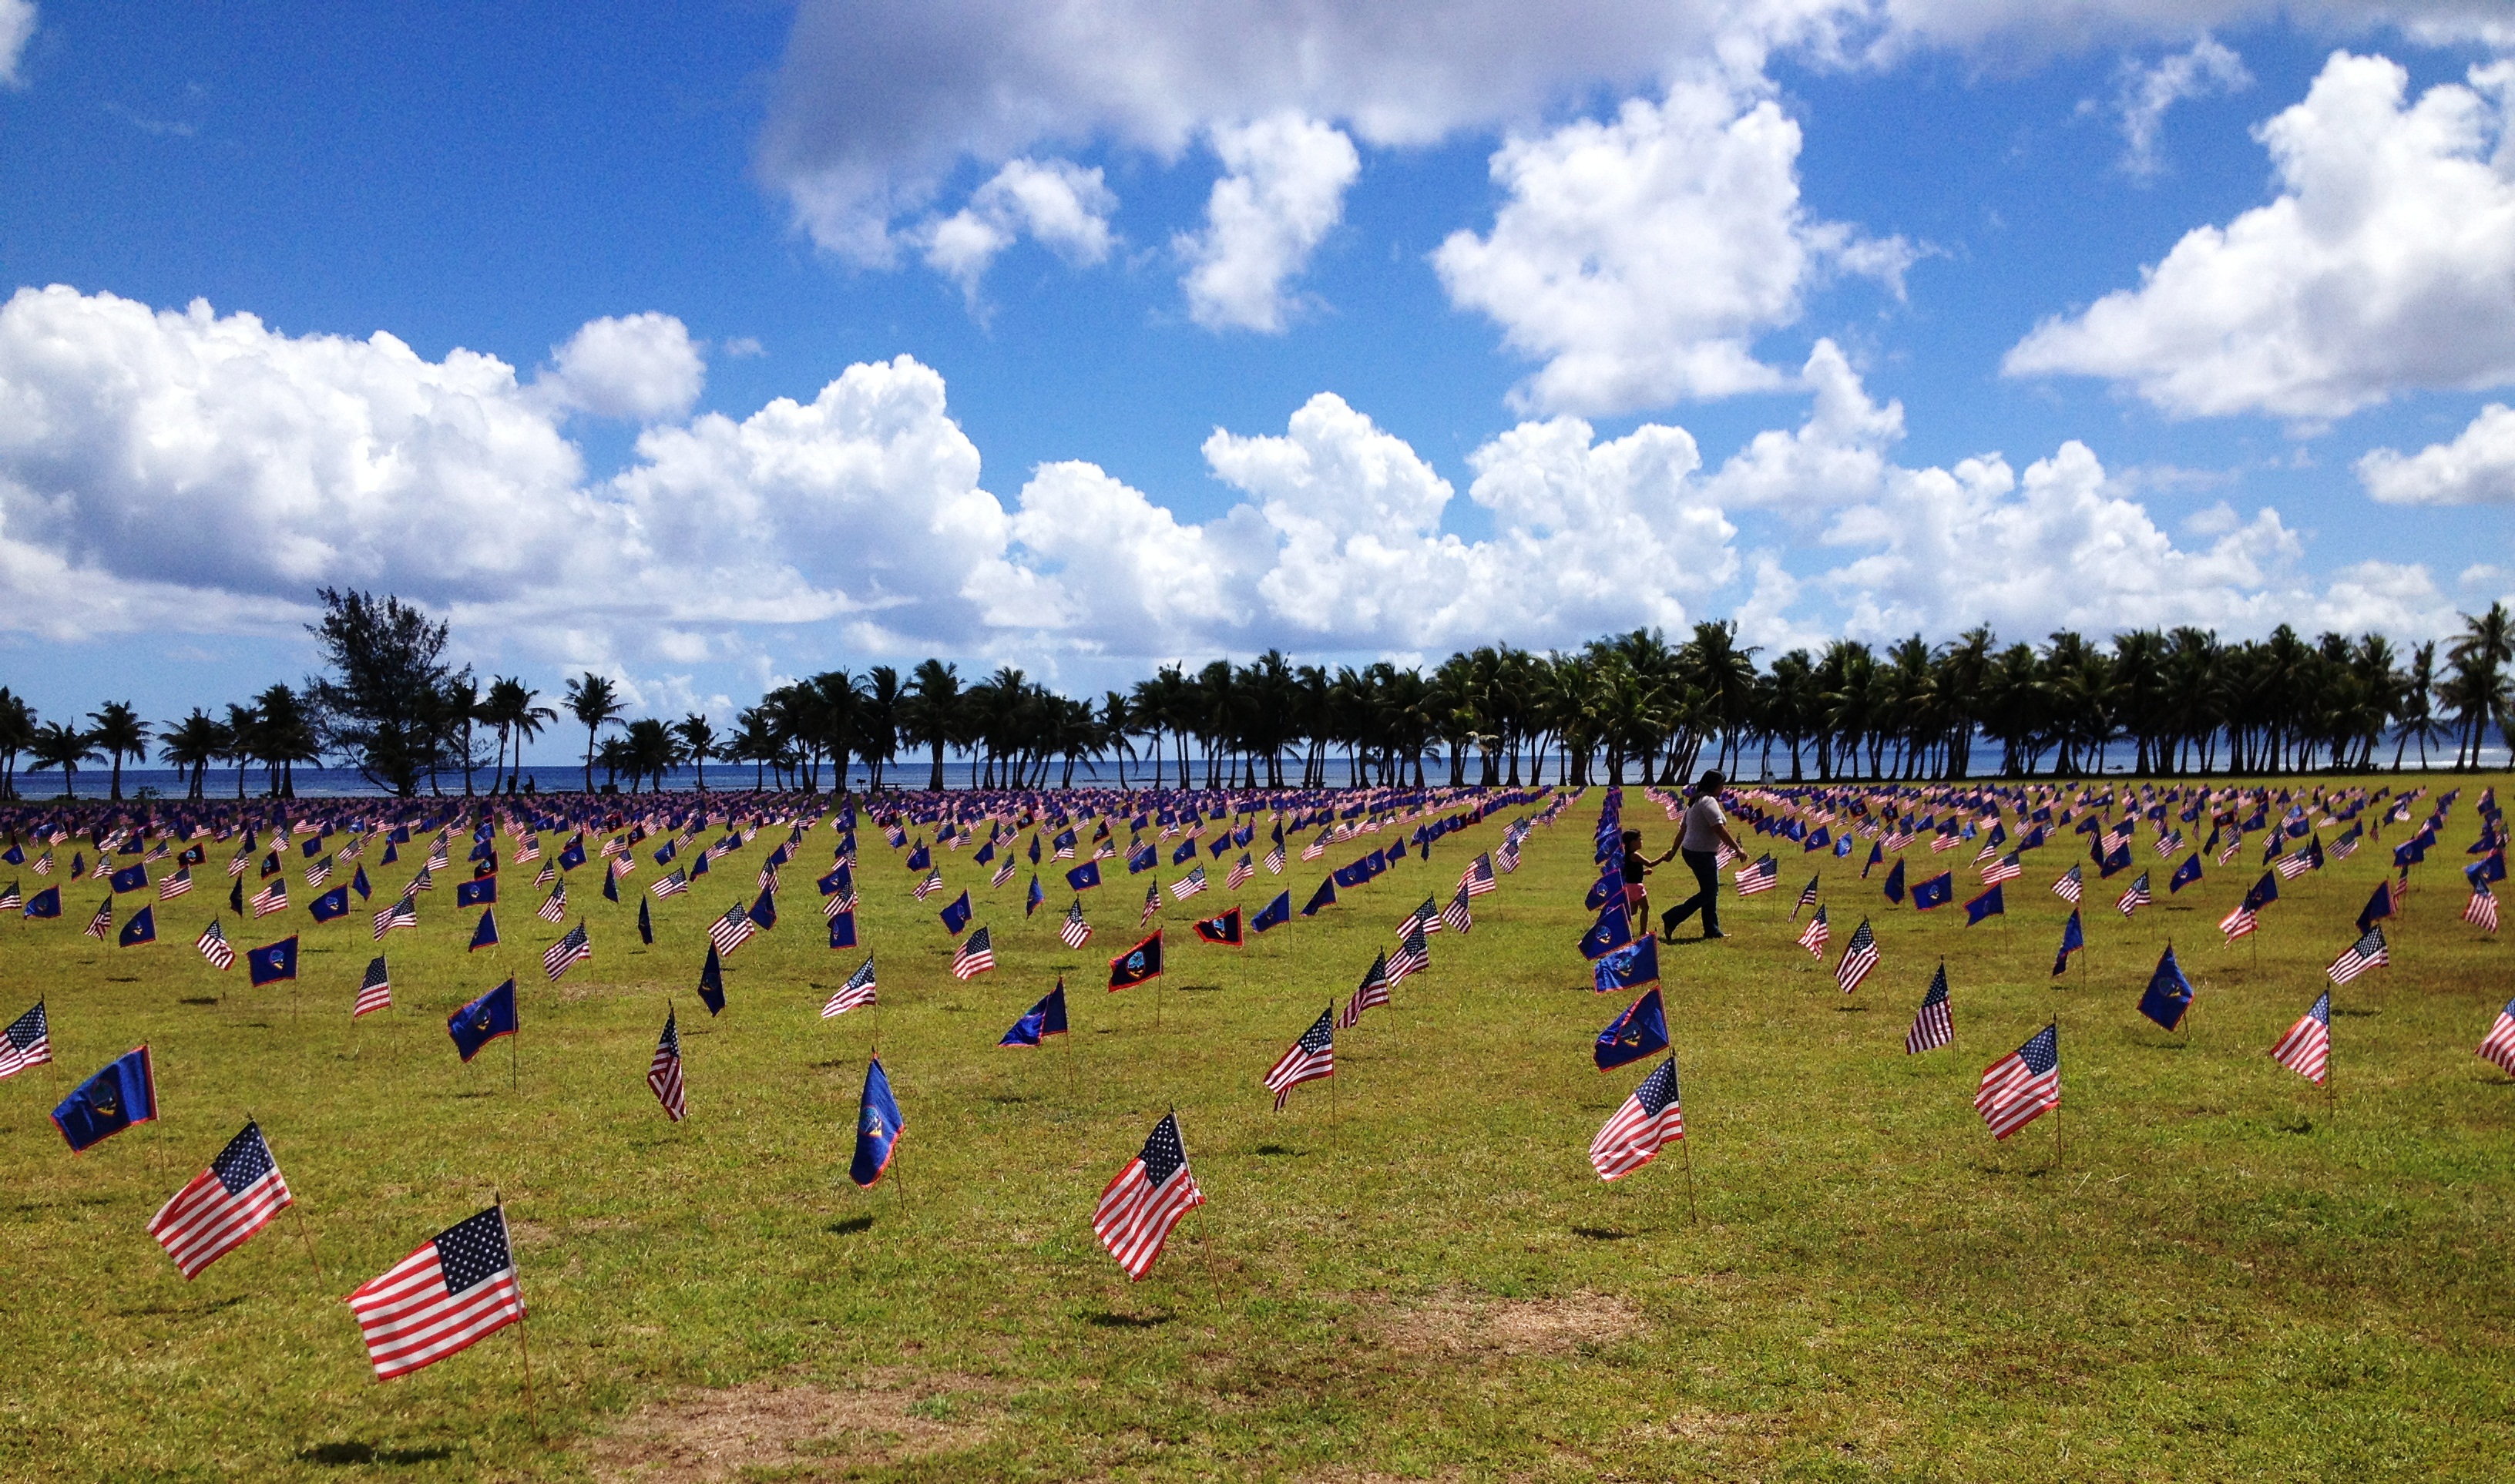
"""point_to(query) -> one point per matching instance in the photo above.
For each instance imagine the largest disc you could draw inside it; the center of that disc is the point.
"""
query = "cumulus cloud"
(2386, 263)
(1056, 203)
(183, 472)
(17, 29)
(2147, 93)
(640, 366)
(2478, 468)
(1283, 191)
(1639, 258)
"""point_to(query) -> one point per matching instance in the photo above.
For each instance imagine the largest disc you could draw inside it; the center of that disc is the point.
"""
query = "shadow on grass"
(1273, 1149)
(850, 1226)
(199, 999)
(474, 1092)
(159, 1310)
(340, 1454)
(1198, 989)
(1601, 1233)
(1111, 1319)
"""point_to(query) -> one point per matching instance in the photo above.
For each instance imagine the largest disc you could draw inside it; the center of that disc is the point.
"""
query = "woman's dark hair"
(1710, 781)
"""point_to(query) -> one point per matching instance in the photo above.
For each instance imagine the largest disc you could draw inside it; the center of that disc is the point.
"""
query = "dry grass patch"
(708, 1435)
(1456, 1322)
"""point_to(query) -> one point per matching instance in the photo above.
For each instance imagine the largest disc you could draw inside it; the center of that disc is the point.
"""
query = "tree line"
(1624, 707)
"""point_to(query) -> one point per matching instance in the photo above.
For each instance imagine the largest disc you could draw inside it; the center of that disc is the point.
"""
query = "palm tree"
(17, 734)
(192, 745)
(648, 751)
(595, 705)
(508, 707)
(697, 743)
(930, 712)
(121, 733)
(283, 736)
(2479, 659)
(64, 747)
(244, 729)
(877, 723)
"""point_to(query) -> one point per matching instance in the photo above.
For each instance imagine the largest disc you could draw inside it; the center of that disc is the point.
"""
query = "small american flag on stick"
(1310, 1056)
(456, 1289)
(1147, 1198)
(223, 1206)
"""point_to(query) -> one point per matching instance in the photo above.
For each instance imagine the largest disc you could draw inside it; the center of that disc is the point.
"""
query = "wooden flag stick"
(2056, 1106)
(1693, 1212)
(524, 1346)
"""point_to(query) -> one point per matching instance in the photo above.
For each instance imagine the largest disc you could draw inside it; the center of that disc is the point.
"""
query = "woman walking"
(1706, 831)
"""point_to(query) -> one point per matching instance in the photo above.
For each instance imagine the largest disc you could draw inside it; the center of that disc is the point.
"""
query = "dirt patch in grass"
(1468, 1323)
(709, 1435)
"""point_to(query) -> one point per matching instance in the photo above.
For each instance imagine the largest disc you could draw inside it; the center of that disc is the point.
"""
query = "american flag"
(1413, 956)
(2307, 1046)
(44, 865)
(2022, 1085)
(223, 1206)
(1311, 1056)
(27, 1043)
(213, 946)
(732, 930)
(2359, 957)
(1426, 915)
(2500, 1044)
(1814, 936)
(933, 883)
(176, 884)
(855, 994)
(1152, 902)
(1314, 851)
(426, 881)
(375, 991)
(401, 914)
(1859, 955)
(664, 1073)
(673, 885)
(1647, 1122)
(548, 874)
(554, 910)
(319, 872)
(2235, 843)
(832, 906)
(1240, 874)
(1932, 1025)
(1507, 859)
(1139, 1205)
(2482, 910)
(1189, 884)
(2068, 888)
(2239, 922)
(1478, 877)
(1074, 931)
(1274, 860)
(2004, 869)
(11, 898)
(2136, 897)
(768, 876)
(1374, 992)
(974, 957)
(2290, 867)
(529, 849)
(1807, 898)
(1762, 876)
(437, 859)
(457, 1289)
(102, 923)
(567, 952)
(1455, 915)
(269, 900)
(1004, 872)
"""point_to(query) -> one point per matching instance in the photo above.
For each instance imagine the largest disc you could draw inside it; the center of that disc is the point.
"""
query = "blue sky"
(1378, 331)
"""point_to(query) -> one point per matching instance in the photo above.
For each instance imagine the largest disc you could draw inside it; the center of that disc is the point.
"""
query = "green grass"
(2223, 1277)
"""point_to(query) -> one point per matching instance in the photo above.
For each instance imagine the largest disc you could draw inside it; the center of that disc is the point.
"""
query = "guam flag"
(1274, 913)
(1629, 967)
(1138, 965)
(877, 1127)
(1640, 1031)
(1608, 933)
(273, 963)
(1937, 892)
(1042, 1021)
(2168, 994)
(483, 1021)
(123, 1093)
(1895, 883)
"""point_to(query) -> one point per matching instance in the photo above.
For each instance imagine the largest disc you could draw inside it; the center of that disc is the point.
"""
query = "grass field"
(2224, 1277)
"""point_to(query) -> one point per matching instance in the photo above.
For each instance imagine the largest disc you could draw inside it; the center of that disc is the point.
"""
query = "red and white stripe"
(409, 1321)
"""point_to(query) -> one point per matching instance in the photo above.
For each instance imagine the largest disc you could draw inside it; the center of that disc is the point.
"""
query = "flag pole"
(2056, 1104)
(1692, 1211)
(302, 1234)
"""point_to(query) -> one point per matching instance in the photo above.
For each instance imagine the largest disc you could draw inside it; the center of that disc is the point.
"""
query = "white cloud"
(639, 366)
(1838, 455)
(1640, 258)
(2478, 468)
(2147, 93)
(1283, 190)
(17, 29)
(1058, 203)
(2386, 263)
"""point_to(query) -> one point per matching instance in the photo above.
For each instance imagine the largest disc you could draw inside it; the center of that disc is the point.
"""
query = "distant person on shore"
(1705, 832)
